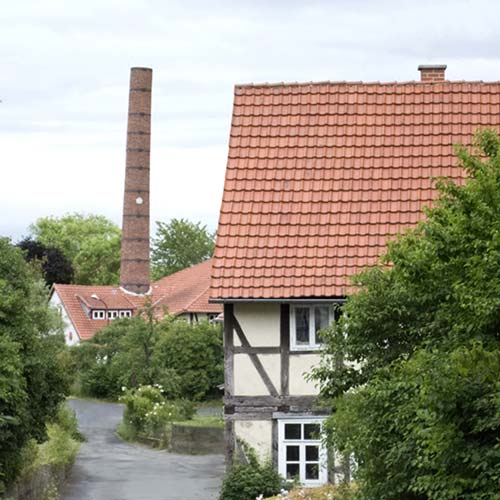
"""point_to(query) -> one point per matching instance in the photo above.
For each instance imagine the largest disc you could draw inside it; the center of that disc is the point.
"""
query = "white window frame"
(313, 342)
(302, 443)
(98, 314)
(112, 314)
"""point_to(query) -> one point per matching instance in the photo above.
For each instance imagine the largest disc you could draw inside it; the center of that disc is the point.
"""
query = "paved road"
(109, 469)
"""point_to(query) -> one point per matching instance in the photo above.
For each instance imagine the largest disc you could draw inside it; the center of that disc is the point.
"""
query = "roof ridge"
(359, 82)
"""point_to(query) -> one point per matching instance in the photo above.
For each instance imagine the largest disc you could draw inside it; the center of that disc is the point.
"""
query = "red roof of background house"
(320, 175)
(183, 292)
(186, 290)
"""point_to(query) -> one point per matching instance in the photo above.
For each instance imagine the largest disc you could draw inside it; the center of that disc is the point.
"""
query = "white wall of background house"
(70, 334)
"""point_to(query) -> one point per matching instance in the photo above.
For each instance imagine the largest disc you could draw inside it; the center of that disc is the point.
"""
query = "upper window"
(302, 455)
(96, 314)
(305, 323)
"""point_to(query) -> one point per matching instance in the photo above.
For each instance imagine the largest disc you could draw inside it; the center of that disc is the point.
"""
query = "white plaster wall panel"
(260, 323)
(70, 335)
(258, 434)
(247, 381)
(299, 365)
(271, 363)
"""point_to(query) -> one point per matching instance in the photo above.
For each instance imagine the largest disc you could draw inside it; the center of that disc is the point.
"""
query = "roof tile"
(319, 176)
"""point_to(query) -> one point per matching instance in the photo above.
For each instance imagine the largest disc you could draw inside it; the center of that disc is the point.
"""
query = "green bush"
(33, 379)
(187, 360)
(67, 421)
(196, 355)
(147, 411)
(426, 427)
(249, 481)
(60, 449)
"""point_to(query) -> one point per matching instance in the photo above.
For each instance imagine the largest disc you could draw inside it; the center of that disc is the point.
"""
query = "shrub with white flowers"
(147, 410)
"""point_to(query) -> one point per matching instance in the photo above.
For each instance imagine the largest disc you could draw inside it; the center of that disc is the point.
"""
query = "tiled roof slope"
(184, 291)
(72, 297)
(319, 176)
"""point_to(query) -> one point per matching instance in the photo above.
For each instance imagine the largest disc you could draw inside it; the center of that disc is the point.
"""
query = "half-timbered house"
(319, 177)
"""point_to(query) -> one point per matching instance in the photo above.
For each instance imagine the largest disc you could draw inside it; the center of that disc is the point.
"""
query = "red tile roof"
(186, 290)
(183, 292)
(320, 176)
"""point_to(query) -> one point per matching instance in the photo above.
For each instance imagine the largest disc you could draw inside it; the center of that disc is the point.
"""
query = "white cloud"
(65, 70)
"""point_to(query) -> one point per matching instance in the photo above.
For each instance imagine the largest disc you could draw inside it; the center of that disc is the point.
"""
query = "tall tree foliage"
(91, 242)
(418, 388)
(56, 267)
(32, 377)
(179, 244)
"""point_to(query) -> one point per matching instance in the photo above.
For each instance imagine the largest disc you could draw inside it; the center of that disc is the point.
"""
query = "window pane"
(302, 325)
(321, 317)
(312, 453)
(292, 471)
(292, 431)
(293, 453)
(312, 431)
(312, 471)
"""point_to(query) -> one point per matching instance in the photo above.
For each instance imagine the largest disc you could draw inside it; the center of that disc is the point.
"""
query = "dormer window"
(110, 314)
(98, 314)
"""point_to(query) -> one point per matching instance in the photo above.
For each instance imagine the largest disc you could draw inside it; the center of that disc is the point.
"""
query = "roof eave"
(288, 300)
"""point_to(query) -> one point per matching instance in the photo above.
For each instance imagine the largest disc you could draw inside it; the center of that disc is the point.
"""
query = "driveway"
(109, 469)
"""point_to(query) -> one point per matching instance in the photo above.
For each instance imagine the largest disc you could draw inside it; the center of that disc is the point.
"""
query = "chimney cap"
(423, 67)
(140, 68)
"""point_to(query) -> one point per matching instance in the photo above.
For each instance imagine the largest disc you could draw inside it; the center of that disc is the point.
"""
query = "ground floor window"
(302, 455)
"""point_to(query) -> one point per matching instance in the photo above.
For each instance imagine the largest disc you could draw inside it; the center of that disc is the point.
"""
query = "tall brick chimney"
(432, 72)
(134, 269)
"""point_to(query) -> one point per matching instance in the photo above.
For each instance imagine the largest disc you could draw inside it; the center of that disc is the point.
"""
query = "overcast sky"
(64, 79)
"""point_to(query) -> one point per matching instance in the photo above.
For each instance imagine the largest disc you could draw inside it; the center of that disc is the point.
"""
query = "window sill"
(305, 349)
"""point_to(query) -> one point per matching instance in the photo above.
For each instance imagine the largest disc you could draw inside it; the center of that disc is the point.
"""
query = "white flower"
(260, 497)
(124, 388)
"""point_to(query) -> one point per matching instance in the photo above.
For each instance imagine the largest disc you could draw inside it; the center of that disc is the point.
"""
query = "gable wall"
(70, 333)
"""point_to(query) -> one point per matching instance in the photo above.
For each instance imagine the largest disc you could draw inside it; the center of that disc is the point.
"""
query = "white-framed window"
(125, 314)
(306, 320)
(112, 314)
(98, 314)
(302, 454)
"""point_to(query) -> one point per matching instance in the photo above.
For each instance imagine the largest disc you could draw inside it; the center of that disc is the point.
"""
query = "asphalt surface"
(109, 469)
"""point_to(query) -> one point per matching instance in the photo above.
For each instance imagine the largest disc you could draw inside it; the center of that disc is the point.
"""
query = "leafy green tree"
(91, 242)
(179, 244)
(195, 354)
(412, 362)
(56, 267)
(32, 371)
(186, 360)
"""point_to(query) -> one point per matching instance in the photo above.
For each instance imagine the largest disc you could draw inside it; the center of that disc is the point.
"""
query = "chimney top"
(432, 72)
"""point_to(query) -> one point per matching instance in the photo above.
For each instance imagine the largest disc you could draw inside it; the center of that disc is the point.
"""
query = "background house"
(319, 177)
(87, 309)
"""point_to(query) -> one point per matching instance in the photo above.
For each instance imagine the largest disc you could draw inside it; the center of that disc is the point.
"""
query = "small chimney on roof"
(432, 72)
(134, 266)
